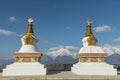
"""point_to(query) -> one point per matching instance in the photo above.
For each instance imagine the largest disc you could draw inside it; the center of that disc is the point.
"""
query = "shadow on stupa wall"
(53, 72)
(59, 67)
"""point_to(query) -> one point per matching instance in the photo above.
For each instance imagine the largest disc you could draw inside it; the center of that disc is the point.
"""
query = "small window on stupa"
(28, 40)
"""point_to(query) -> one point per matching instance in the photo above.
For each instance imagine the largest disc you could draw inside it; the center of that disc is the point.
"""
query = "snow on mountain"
(113, 54)
(67, 55)
(111, 49)
(61, 55)
(60, 52)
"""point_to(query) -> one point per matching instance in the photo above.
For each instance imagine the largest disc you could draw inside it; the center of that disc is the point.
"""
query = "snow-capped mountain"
(60, 55)
(65, 55)
(60, 52)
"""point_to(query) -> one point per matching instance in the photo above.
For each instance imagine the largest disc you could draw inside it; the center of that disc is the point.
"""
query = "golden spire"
(88, 30)
(92, 41)
(30, 29)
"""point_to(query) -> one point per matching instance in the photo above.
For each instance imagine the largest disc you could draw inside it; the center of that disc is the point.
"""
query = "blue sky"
(58, 22)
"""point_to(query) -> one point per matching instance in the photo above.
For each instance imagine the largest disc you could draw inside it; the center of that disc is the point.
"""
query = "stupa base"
(93, 68)
(22, 69)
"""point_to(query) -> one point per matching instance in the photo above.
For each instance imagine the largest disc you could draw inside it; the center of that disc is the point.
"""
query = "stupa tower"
(91, 57)
(28, 51)
(27, 59)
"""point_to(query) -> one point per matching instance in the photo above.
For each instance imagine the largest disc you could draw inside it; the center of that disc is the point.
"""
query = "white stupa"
(91, 57)
(27, 58)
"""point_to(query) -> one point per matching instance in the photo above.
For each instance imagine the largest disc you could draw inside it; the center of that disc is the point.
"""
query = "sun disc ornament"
(30, 20)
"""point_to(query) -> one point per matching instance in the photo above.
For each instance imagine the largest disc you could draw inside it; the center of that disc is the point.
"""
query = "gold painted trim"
(32, 39)
(89, 41)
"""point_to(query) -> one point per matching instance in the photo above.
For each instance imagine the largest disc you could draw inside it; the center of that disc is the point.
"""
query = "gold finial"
(30, 20)
(30, 29)
(89, 22)
(88, 30)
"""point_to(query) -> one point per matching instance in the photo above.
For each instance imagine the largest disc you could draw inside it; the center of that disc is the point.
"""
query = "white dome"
(91, 49)
(85, 42)
(28, 48)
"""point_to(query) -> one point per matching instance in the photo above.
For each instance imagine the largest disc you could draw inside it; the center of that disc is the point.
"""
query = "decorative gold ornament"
(29, 36)
(30, 25)
(88, 30)
(28, 39)
(30, 20)
(88, 22)
(92, 41)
